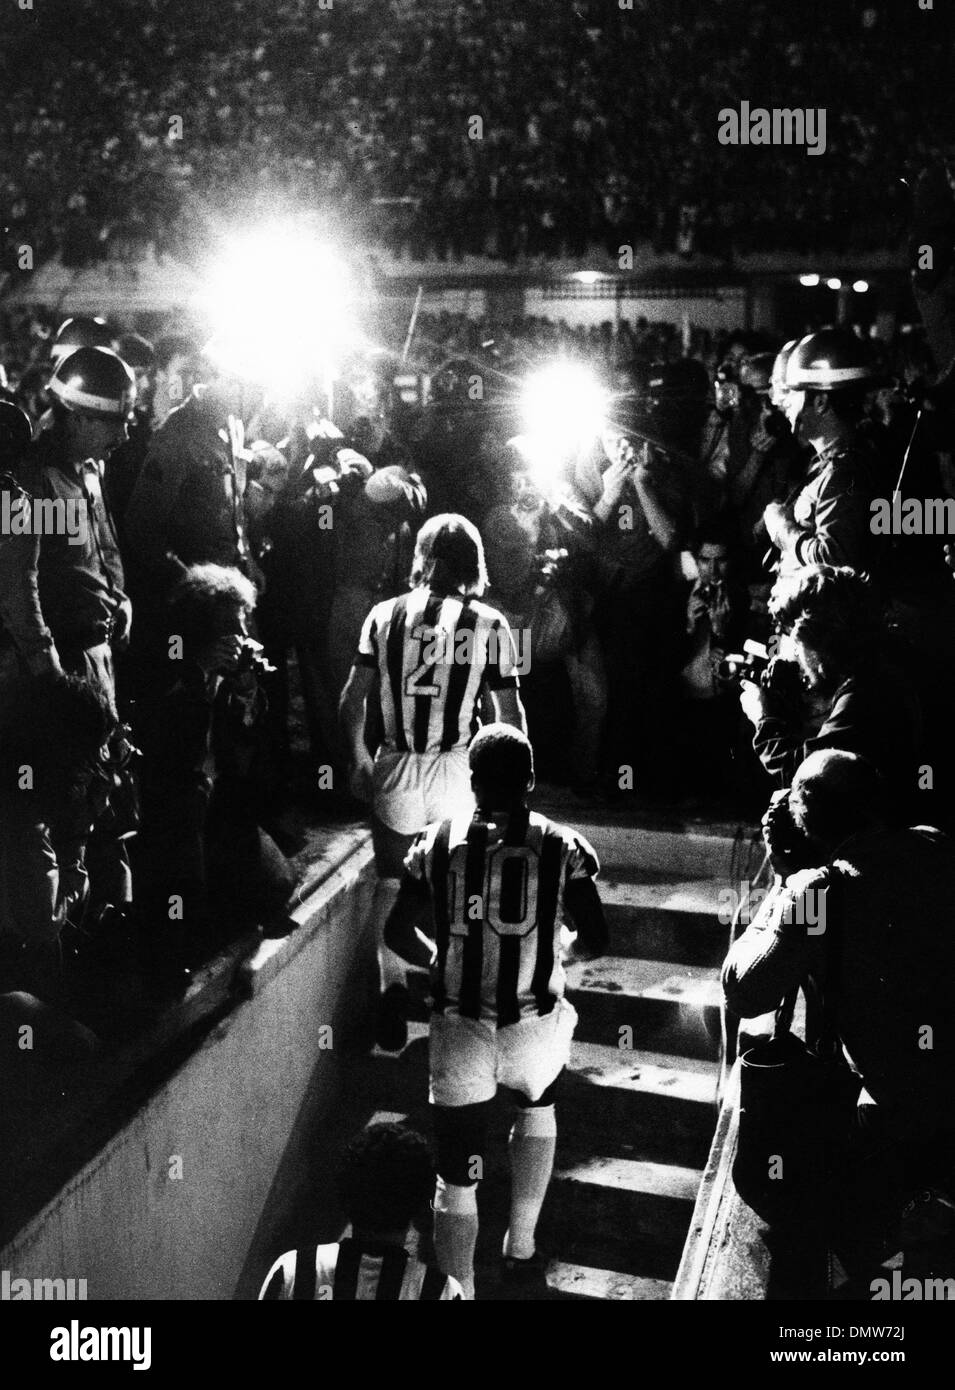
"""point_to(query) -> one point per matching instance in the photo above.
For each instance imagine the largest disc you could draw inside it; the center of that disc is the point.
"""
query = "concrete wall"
(237, 1114)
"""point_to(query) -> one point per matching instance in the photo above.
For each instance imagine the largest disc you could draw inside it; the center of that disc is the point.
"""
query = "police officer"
(828, 376)
(64, 600)
(74, 333)
(62, 589)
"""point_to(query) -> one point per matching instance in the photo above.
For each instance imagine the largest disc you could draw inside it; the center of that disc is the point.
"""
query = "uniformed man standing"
(62, 588)
(828, 377)
(63, 602)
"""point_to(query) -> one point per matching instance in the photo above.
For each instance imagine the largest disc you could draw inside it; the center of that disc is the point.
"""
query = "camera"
(750, 664)
(252, 658)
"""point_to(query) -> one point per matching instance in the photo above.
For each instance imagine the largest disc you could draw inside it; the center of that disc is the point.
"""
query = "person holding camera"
(716, 622)
(201, 844)
(540, 559)
(840, 685)
(642, 517)
(862, 909)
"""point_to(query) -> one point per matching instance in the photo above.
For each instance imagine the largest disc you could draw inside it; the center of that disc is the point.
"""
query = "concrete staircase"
(638, 1106)
(639, 1103)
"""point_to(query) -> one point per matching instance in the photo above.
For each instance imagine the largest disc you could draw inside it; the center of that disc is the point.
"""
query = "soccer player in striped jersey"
(385, 1184)
(499, 885)
(427, 658)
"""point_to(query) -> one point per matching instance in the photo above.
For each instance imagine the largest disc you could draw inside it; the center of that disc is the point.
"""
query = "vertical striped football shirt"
(433, 655)
(497, 889)
(354, 1272)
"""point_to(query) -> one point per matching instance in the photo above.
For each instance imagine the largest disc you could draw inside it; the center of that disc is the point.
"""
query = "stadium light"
(587, 277)
(562, 406)
(860, 286)
(277, 302)
(810, 281)
(834, 283)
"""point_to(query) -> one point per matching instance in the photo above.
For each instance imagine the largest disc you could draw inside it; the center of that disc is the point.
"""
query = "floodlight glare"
(810, 281)
(834, 283)
(563, 405)
(860, 286)
(277, 302)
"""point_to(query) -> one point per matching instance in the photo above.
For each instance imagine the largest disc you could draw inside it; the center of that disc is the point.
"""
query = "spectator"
(842, 687)
(887, 963)
(201, 843)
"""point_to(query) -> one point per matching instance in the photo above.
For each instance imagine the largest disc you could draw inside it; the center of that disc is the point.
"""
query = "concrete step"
(678, 854)
(665, 919)
(626, 1215)
(604, 1285)
(638, 1104)
(666, 1008)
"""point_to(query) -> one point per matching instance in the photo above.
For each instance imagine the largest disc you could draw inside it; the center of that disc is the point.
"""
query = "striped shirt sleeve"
(367, 654)
(501, 671)
(279, 1280)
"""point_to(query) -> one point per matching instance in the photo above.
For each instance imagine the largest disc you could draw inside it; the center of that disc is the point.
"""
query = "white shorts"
(413, 789)
(470, 1058)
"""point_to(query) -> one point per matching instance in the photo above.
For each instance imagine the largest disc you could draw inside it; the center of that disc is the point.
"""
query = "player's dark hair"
(501, 761)
(386, 1178)
(449, 556)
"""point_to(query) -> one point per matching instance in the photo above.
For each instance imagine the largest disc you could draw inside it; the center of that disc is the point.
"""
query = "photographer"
(540, 558)
(763, 465)
(842, 687)
(716, 623)
(201, 735)
(642, 517)
(880, 900)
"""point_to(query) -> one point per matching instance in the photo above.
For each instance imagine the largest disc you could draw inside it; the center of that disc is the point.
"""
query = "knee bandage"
(535, 1122)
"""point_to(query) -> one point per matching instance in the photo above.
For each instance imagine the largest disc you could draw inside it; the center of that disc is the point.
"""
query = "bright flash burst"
(279, 306)
(563, 406)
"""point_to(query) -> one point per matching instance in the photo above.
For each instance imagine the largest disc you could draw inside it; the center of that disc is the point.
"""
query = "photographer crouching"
(207, 869)
(840, 685)
(862, 910)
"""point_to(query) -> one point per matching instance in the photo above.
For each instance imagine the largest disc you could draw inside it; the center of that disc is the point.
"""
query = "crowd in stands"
(599, 124)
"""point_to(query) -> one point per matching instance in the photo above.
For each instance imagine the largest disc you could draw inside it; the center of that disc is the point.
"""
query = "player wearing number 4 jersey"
(498, 885)
(426, 658)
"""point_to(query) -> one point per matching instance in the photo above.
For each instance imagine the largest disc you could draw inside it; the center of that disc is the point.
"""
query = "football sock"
(455, 1232)
(531, 1150)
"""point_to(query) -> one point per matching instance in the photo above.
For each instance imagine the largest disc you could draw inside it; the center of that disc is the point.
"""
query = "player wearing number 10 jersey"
(498, 885)
(426, 657)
